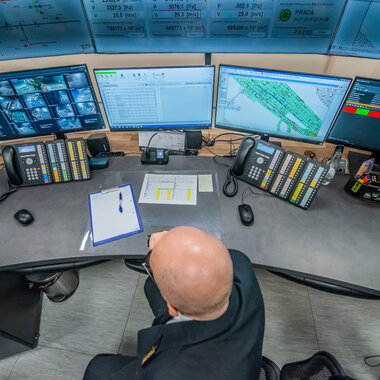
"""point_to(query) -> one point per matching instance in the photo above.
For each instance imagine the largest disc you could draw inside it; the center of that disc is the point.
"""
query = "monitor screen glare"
(294, 106)
(47, 101)
(358, 123)
(157, 98)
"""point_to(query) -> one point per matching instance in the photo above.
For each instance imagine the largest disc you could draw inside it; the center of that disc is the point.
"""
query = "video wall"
(34, 28)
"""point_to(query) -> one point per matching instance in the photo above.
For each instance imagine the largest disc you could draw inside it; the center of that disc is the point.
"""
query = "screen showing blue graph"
(154, 98)
(358, 33)
(281, 104)
(47, 101)
(267, 26)
(35, 28)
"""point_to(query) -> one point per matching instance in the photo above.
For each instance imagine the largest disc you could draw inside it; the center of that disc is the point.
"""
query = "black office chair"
(321, 366)
(269, 370)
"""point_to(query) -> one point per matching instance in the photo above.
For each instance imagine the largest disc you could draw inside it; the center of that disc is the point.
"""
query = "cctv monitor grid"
(49, 101)
(67, 102)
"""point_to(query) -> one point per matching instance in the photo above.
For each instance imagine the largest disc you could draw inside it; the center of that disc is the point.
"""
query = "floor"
(109, 308)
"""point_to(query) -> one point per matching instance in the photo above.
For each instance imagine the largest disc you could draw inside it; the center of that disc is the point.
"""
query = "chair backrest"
(321, 366)
(269, 370)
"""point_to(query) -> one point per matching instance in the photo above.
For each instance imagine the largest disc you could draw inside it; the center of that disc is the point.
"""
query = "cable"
(215, 155)
(154, 134)
(252, 193)
(10, 190)
(371, 357)
(211, 141)
(231, 180)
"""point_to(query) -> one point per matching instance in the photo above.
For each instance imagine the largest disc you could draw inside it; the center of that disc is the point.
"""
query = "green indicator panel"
(361, 111)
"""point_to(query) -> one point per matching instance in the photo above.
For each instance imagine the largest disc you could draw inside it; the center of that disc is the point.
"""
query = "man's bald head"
(193, 270)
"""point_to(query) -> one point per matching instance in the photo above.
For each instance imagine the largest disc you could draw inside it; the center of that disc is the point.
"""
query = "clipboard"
(113, 214)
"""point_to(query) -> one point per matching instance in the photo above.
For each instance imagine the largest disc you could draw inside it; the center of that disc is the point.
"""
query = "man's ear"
(172, 310)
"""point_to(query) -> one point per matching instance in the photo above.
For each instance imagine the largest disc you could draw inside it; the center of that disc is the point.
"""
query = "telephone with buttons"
(27, 164)
(257, 162)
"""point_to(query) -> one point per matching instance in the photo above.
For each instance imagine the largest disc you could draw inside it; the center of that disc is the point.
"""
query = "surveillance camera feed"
(47, 101)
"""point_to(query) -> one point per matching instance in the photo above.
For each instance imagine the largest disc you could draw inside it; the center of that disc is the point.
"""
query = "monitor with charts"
(157, 98)
(358, 123)
(287, 105)
(47, 101)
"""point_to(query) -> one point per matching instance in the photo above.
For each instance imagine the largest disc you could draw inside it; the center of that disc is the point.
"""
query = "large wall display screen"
(268, 26)
(358, 33)
(36, 28)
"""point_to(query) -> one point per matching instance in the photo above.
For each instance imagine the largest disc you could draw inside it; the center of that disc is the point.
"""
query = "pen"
(120, 202)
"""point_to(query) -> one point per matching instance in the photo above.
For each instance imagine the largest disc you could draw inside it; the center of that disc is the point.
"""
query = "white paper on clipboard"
(108, 222)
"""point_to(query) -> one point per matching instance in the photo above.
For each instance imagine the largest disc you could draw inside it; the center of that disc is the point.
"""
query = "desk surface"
(336, 239)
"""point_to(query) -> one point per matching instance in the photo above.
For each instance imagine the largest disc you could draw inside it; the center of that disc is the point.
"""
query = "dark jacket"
(223, 349)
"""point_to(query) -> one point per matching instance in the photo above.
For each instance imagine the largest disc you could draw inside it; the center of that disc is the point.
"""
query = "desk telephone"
(39, 164)
(287, 175)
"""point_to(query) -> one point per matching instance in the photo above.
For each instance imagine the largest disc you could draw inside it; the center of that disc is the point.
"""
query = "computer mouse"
(246, 214)
(24, 217)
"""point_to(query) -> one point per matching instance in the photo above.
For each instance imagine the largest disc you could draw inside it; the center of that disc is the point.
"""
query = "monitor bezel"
(76, 130)
(349, 145)
(147, 129)
(273, 135)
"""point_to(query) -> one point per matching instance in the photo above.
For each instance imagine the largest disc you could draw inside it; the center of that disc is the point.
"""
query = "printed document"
(169, 189)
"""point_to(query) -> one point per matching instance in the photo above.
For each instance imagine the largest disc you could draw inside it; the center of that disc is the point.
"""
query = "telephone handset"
(257, 162)
(10, 162)
(247, 144)
(27, 164)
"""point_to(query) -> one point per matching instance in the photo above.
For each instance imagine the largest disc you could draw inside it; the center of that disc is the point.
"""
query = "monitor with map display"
(358, 123)
(157, 97)
(47, 101)
(280, 104)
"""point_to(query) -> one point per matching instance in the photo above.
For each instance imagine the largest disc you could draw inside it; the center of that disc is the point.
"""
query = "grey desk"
(336, 240)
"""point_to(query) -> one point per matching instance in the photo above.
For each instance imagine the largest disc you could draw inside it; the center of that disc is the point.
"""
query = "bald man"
(209, 314)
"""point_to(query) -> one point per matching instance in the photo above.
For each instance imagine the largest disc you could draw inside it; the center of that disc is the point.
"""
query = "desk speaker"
(98, 143)
(193, 139)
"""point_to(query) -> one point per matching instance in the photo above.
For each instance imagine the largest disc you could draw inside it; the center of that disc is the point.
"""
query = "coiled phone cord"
(10, 190)
(230, 181)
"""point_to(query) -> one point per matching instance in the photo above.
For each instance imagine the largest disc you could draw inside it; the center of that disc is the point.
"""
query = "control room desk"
(335, 240)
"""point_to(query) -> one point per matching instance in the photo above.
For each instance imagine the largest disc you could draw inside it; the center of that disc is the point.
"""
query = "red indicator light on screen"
(374, 113)
(350, 109)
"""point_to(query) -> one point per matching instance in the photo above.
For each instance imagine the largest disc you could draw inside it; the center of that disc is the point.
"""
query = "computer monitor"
(280, 104)
(47, 101)
(358, 123)
(157, 98)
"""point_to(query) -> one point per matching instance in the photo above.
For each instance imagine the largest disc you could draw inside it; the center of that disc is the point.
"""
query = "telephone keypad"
(254, 172)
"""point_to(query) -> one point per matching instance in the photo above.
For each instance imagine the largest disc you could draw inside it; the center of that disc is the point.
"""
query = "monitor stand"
(266, 139)
(60, 136)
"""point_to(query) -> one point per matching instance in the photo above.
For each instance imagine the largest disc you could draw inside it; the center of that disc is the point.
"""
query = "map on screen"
(271, 26)
(34, 28)
(290, 105)
(358, 33)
